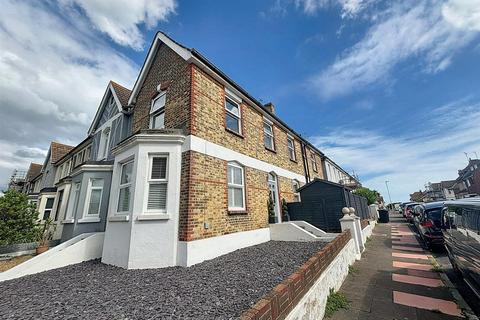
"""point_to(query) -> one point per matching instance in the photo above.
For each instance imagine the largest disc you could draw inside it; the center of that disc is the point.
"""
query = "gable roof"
(33, 171)
(193, 56)
(58, 150)
(121, 96)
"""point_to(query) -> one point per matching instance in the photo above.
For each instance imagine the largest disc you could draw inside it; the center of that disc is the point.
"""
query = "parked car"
(461, 232)
(408, 211)
(428, 221)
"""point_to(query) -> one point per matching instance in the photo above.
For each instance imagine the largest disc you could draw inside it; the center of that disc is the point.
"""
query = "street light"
(388, 191)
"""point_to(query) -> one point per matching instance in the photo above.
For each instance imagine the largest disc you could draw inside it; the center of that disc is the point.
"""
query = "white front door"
(273, 188)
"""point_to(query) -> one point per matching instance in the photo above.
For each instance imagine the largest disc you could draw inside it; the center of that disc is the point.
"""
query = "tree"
(371, 195)
(17, 219)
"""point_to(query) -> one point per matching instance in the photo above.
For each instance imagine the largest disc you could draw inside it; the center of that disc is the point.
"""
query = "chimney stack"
(270, 107)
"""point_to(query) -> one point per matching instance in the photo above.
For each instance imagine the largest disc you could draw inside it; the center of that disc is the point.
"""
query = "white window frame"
(48, 209)
(70, 212)
(105, 142)
(291, 149)
(265, 133)
(90, 188)
(236, 186)
(150, 181)
(160, 110)
(238, 117)
(125, 185)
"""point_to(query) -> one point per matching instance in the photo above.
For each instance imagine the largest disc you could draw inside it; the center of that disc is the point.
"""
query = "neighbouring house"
(417, 196)
(32, 182)
(335, 173)
(468, 181)
(83, 179)
(17, 180)
(439, 191)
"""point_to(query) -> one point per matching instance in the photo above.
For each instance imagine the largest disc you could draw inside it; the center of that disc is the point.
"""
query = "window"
(48, 208)
(314, 162)
(291, 148)
(94, 197)
(157, 184)
(236, 187)
(105, 142)
(125, 188)
(232, 115)
(59, 204)
(88, 151)
(295, 187)
(268, 135)
(76, 199)
(157, 112)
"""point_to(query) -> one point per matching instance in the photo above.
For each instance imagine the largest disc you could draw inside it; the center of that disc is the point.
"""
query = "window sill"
(89, 220)
(239, 135)
(237, 212)
(150, 217)
(294, 160)
(119, 218)
(271, 150)
(68, 221)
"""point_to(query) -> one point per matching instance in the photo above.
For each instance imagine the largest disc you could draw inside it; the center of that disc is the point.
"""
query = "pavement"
(394, 280)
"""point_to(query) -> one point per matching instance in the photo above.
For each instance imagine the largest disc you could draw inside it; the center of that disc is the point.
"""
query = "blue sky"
(389, 89)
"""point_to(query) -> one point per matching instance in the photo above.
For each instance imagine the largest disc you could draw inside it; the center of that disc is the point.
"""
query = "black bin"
(383, 216)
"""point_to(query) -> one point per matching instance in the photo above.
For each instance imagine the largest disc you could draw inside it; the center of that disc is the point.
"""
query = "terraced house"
(181, 168)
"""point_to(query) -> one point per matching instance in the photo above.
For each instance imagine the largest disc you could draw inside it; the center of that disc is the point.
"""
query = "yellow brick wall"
(208, 199)
(208, 109)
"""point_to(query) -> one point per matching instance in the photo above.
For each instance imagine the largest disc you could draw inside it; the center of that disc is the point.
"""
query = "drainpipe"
(305, 162)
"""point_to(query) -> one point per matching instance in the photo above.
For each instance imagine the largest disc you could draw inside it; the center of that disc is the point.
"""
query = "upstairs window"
(232, 115)
(268, 135)
(291, 148)
(158, 184)
(157, 112)
(314, 162)
(236, 187)
(125, 188)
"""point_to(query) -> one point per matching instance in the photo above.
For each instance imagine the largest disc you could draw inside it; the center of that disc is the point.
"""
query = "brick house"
(193, 180)
(468, 181)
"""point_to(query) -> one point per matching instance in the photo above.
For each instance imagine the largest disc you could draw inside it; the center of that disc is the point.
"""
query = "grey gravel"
(217, 289)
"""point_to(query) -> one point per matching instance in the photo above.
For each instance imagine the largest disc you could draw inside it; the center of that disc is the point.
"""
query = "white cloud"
(54, 72)
(350, 8)
(408, 30)
(120, 19)
(463, 14)
(409, 161)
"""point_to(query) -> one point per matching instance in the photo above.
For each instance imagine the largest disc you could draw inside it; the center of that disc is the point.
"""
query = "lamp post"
(388, 191)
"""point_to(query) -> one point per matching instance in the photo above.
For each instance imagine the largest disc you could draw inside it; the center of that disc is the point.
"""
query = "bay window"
(94, 198)
(125, 188)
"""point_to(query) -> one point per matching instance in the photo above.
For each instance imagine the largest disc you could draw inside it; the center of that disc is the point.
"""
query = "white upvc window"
(76, 199)
(125, 188)
(47, 212)
(268, 135)
(314, 162)
(157, 183)
(233, 116)
(295, 187)
(236, 187)
(157, 111)
(104, 143)
(94, 198)
(291, 148)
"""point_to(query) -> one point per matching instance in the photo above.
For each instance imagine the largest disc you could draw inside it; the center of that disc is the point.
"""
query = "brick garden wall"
(285, 296)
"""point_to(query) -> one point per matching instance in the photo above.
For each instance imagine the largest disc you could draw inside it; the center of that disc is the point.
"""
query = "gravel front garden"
(221, 288)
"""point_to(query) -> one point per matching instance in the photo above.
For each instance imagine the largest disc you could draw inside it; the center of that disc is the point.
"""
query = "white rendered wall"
(84, 247)
(142, 239)
(312, 305)
(193, 252)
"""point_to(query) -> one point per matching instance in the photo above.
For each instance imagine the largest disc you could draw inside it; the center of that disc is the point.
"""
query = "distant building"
(468, 181)
(17, 180)
(417, 196)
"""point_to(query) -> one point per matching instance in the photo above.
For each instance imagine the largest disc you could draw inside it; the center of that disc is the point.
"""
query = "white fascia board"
(159, 38)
